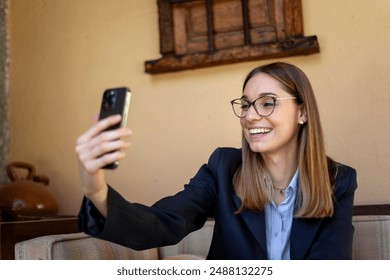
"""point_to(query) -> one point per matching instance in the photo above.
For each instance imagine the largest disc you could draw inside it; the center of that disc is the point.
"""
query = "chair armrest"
(193, 247)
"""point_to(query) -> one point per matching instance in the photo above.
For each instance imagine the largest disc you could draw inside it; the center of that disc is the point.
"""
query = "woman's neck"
(281, 168)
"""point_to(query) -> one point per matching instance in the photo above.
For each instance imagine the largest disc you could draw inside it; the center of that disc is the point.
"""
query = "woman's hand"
(95, 149)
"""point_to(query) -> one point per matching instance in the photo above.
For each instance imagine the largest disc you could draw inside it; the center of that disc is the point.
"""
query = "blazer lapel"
(303, 232)
(255, 222)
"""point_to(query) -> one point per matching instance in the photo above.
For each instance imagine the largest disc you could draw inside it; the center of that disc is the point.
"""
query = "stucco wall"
(63, 54)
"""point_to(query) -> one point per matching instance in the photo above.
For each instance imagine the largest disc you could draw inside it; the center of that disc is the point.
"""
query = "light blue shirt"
(278, 221)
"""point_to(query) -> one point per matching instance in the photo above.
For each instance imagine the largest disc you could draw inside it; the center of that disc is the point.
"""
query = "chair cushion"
(371, 239)
(77, 246)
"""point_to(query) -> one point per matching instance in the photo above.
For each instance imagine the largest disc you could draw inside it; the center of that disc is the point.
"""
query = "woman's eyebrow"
(261, 95)
(267, 94)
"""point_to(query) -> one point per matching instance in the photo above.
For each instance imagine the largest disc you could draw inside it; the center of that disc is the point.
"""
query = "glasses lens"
(240, 107)
(265, 105)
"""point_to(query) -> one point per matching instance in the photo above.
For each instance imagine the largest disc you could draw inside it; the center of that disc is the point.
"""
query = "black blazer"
(211, 194)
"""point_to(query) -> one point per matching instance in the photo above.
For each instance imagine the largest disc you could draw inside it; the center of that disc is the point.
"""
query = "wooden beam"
(293, 47)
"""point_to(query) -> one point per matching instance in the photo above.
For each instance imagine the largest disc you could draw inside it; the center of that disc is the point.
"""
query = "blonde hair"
(314, 198)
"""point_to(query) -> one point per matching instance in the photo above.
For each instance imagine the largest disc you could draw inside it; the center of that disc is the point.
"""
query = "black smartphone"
(115, 101)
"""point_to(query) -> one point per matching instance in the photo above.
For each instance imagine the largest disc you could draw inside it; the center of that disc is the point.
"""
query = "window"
(203, 33)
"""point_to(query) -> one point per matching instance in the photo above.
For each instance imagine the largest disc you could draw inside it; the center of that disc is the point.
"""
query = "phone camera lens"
(109, 100)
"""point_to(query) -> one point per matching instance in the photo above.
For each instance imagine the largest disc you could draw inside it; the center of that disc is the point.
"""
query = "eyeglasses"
(264, 105)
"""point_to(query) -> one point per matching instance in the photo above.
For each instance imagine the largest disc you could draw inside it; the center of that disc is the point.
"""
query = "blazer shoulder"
(229, 151)
(337, 169)
(343, 177)
(225, 159)
(226, 154)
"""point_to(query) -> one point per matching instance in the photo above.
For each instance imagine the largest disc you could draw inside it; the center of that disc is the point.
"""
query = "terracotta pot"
(26, 198)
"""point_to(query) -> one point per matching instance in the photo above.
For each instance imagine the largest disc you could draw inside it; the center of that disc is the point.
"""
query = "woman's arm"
(165, 223)
(95, 149)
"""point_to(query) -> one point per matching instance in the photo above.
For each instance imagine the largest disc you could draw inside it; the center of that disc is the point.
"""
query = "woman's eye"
(267, 104)
(245, 106)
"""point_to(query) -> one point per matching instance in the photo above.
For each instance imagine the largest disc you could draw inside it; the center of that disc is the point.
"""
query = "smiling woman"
(283, 142)
(279, 197)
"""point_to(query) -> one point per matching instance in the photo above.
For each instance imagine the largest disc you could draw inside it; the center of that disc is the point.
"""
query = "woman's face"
(277, 133)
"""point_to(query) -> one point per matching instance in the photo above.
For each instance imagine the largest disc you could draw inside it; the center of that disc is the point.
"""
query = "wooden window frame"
(290, 41)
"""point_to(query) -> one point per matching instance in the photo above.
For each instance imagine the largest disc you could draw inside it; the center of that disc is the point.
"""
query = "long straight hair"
(314, 198)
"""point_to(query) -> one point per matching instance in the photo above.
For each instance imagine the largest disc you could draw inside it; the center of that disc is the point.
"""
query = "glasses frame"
(254, 107)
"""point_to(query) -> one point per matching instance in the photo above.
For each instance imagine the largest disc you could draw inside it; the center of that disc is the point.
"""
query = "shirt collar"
(294, 181)
(293, 185)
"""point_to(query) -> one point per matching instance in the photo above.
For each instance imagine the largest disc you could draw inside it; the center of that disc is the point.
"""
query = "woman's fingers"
(97, 148)
(108, 147)
(106, 142)
(98, 128)
(110, 158)
(103, 154)
(94, 165)
(94, 157)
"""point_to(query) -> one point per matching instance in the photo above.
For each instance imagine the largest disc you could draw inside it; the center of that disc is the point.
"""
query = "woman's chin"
(257, 148)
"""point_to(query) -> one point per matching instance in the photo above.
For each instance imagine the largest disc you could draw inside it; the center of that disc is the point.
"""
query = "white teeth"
(259, 130)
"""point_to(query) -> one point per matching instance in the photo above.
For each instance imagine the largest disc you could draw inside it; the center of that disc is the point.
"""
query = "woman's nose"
(252, 115)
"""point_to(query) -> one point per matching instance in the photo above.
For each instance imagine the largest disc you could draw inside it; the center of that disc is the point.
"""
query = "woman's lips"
(260, 130)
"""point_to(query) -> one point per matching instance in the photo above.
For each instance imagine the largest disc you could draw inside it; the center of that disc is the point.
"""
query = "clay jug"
(26, 198)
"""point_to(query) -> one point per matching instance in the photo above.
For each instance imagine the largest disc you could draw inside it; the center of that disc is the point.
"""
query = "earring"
(301, 122)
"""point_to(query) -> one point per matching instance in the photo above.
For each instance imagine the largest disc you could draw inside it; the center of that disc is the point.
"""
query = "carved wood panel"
(201, 33)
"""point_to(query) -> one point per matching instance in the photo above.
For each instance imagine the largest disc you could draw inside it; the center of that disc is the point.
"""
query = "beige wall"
(64, 53)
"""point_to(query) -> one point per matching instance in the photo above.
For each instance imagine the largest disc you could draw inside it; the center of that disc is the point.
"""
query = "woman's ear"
(302, 116)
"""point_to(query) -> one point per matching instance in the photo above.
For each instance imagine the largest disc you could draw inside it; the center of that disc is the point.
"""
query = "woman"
(279, 197)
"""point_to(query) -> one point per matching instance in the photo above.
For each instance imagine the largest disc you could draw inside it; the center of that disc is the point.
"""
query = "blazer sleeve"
(335, 236)
(165, 223)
